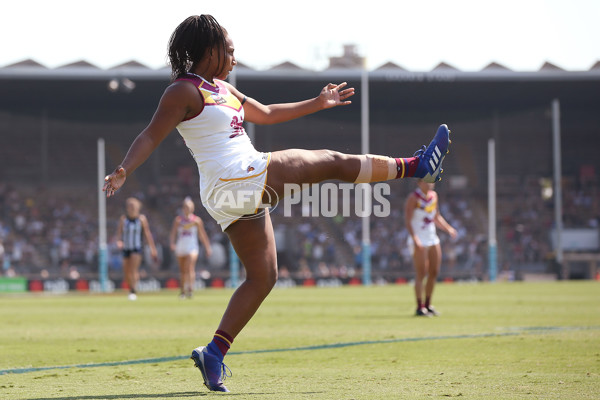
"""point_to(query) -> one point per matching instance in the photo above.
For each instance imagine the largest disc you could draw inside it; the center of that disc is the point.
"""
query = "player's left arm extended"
(332, 95)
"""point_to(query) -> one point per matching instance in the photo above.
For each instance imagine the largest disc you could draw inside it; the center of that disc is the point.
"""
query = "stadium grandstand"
(51, 119)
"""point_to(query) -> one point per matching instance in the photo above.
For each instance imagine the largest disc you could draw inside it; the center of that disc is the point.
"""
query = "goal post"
(492, 242)
(102, 246)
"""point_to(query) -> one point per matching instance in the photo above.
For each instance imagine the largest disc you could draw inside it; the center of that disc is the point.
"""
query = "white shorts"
(426, 241)
(238, 194)
(187, 247)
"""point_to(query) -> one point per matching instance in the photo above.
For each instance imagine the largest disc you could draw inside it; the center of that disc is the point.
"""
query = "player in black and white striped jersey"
(129, 233)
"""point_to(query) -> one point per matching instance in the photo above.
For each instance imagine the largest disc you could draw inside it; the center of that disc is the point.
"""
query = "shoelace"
(420, 152)
(224, 370)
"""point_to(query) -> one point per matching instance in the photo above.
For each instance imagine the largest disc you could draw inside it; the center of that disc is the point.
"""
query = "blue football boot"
(212, 369)
(431, 157)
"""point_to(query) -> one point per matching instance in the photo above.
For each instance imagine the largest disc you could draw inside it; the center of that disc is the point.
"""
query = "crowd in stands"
(390, 255)
(47, 232)
(526, 218)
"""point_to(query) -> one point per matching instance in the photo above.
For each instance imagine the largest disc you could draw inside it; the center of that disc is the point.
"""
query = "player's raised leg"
(312, 166)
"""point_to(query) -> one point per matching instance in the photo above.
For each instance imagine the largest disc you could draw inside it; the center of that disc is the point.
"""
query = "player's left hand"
(334, 95)
(453, 233)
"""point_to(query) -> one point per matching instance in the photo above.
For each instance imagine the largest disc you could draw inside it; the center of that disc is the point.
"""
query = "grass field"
(493, 341)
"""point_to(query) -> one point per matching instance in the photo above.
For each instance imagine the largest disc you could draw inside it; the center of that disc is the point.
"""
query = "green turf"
(482, 346)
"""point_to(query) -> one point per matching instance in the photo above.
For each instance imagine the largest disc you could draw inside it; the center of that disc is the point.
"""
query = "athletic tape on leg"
(374, 168)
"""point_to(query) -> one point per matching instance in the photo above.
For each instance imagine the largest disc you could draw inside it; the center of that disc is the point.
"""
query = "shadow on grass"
(126, 396)
(175, 395)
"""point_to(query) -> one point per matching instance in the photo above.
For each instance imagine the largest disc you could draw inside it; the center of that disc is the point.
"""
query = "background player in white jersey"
(187, 229)
(422, 215)
(208, 113)
(129, 239)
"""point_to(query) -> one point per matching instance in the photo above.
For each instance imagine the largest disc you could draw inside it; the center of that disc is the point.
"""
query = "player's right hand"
(114, 181)
(418, 244)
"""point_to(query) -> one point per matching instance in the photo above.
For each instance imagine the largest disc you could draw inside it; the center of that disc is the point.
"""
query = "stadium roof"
(83, 70)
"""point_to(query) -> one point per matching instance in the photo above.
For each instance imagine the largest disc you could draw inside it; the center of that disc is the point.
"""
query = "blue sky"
(416, 35)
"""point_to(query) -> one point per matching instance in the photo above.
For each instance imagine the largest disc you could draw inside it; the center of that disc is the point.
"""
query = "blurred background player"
(187, 229)
(422, 215)
(129, 233)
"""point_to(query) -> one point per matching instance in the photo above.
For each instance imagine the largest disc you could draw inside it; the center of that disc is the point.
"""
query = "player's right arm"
(120, 232)
(173, 235)
(409, 210)
(179, 101)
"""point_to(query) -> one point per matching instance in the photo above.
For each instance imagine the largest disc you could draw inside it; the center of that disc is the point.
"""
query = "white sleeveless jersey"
(216, 137)
(422, 219)
(187, 236)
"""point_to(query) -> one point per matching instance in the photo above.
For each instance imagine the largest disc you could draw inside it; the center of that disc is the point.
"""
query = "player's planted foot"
(213, 370)
(431, 157)
(422, 312)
